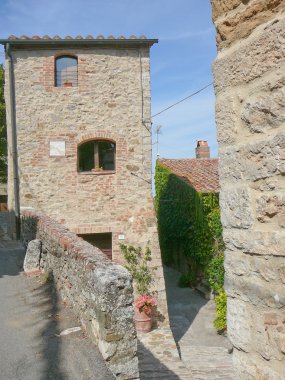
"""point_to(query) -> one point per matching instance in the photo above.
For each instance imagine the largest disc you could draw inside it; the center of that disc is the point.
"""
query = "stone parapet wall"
(250, 114)
(100, 291)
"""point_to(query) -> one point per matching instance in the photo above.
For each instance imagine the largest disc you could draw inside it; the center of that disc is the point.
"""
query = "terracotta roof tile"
(201, 174)
(89, 37)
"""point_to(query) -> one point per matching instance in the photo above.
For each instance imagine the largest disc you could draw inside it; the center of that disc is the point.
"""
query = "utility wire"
(182, 100)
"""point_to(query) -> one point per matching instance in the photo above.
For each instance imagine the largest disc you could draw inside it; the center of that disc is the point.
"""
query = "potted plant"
(67, 83)
(145, 307)
(97, 169)
(137, 264)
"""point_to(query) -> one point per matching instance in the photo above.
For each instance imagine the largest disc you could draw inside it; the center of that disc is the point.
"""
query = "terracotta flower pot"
(67, 84)
(143, 321)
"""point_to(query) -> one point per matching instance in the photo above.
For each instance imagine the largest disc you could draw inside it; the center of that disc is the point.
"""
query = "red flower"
(146, 303)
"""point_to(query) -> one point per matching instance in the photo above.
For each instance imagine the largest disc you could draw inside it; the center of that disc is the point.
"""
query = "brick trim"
(100, 135)
(90, 229)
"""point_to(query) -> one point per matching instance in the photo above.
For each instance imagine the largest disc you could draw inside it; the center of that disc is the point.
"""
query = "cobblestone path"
(199, 352)
(159, 358)
(203, 351)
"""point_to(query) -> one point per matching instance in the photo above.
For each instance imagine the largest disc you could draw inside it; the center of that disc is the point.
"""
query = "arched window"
(66, 72)
(96, 155)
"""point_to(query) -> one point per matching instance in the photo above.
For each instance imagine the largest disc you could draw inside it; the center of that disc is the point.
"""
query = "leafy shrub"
(137, 265)
(220, 323)
(189, 223)
(186, 280)
(215, 273)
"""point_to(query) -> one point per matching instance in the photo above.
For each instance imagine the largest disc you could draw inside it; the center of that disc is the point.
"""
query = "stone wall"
(112, 101)
(100, 291)
(250, 113)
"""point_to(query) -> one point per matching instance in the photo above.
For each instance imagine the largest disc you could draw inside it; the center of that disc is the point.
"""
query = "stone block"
(256, 291)
(253, 162)
(107, 349)
(129, 368)
(220, 7)
(270, 319)
(236, 208)
(231, 164)
(253, 367)
(265, 110)
(33, 256)
(226, 119)
(241, 23)
(267, 243)
(264, 52)
(270, 208)
(239, 324)
(237, 263)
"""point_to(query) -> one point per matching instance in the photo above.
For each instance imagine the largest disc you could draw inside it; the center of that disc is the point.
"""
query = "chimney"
(202, 149)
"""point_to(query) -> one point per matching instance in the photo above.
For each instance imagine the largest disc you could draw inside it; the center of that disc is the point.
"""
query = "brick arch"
(65, 53)
(100, 135)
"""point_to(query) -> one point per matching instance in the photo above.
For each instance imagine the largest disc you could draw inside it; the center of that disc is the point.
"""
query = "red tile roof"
(47, 41)
(201, 174)
(12, 37)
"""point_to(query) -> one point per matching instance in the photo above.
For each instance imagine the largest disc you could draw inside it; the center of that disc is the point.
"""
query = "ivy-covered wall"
(190, 230)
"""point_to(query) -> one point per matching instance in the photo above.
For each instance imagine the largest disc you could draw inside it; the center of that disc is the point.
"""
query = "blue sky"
(180, 63)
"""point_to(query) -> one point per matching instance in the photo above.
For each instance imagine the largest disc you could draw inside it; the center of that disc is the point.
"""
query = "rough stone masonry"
(249, 77)
(111, 101)
(99, 290)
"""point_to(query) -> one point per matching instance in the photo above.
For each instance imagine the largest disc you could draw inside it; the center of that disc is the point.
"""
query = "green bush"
(215, 273)
(189, 223)
(187, 280)
(137, 265)
(220, 323)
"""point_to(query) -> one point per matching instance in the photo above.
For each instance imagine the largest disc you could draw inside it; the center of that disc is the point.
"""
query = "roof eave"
(84, 42)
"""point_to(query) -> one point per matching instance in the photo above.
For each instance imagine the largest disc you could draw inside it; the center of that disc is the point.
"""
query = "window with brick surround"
(66, 73)
(97, 155)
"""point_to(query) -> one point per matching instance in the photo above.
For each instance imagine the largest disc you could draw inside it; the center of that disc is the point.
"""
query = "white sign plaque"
(121, 237)
(57, 148)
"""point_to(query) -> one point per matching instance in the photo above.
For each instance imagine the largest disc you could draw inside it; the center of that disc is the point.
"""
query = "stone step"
(208, 363)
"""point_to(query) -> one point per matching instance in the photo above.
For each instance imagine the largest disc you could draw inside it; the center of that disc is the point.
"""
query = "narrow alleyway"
(203, 351)
(31, 319)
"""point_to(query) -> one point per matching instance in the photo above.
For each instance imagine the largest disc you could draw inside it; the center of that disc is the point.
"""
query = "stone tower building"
(82, 116)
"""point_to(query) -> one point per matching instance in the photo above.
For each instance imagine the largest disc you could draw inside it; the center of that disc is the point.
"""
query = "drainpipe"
(14, 140)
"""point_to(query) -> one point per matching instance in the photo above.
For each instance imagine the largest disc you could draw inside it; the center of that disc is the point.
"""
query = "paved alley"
(202, 350)
(31, 319)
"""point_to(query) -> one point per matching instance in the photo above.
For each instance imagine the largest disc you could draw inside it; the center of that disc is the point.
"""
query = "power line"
(182, 100)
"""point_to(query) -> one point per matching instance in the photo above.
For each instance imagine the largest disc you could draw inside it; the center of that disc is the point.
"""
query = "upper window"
(96, 155)
(66, 72)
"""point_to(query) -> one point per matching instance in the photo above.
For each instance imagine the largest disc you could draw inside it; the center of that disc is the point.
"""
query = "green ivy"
(220, 323)
(187, 280)
(215, 273)
(189, 222)
(187, 219)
